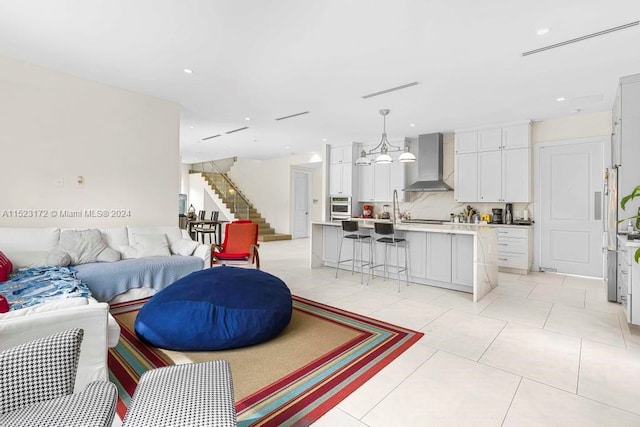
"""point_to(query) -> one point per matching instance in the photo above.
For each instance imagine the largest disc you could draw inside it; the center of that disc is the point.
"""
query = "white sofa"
(29, 246)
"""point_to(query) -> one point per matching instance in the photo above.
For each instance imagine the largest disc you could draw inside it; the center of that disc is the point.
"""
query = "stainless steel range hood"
(425, 173)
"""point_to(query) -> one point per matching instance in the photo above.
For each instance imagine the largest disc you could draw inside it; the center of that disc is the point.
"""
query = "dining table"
(216, 224)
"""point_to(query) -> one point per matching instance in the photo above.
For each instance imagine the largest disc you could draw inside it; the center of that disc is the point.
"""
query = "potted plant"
(623, 203)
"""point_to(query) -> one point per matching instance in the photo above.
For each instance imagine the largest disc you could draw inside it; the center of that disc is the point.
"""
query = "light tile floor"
(541, 349)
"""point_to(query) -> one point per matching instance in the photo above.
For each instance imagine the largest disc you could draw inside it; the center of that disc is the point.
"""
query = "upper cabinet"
(466, 142)
(377, 182)
(341, 181)
(500, 168)
(341, 154)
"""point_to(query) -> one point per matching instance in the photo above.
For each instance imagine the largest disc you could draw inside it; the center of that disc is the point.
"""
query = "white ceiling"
(266, 59)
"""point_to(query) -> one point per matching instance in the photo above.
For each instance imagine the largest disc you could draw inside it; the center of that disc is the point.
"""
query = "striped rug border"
(300, 397)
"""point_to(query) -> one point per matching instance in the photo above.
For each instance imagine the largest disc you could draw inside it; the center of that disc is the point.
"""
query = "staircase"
(239, 206)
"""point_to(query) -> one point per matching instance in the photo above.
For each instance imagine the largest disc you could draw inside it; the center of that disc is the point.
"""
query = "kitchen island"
(453, 256)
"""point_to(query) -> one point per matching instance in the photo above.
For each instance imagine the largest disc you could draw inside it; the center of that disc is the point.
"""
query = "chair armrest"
(39, 370)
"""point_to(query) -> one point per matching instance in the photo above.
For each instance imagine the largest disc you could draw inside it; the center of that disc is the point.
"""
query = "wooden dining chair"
(209, 229)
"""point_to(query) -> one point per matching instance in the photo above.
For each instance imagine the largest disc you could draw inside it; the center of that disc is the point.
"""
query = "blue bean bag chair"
(216, 309)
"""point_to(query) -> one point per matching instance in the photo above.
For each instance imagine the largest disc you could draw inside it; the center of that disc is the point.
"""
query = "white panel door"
(518, 136)
(571, 208)
(490, 176)
(301, 183)
(490, 139)
(466, 142)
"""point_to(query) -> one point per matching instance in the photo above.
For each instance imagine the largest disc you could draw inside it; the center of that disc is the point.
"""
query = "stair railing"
(240, 205)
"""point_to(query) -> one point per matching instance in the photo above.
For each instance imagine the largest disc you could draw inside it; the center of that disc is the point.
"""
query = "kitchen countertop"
(435, 228)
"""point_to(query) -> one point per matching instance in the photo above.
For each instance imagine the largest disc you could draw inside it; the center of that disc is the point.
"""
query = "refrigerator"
(611, 232)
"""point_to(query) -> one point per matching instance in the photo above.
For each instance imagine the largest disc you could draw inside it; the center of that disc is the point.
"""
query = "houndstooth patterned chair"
(195, 394)
(36, 386)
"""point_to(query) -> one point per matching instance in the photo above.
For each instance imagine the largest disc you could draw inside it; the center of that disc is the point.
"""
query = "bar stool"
(386, 229)
(350, 230)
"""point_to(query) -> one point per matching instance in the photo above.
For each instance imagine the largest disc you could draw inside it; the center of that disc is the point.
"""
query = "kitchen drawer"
(512, 260)
(519, 233)
(511, 245)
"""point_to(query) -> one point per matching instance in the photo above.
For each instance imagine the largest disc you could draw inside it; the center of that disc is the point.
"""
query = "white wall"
(571, 127)
(267, 184)
(56, 127)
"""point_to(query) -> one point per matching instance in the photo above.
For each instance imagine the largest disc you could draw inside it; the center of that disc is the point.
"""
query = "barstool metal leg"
(339, 255)
(406, 262)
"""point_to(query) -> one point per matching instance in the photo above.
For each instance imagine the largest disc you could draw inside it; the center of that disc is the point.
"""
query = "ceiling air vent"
(393, 89)
(579, 39)
(292, 115)
(211, 137)
(237, 130)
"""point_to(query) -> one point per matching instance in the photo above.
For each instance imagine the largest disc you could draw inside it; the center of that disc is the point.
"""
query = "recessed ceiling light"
(324, 139)
(412, 124)
(188, 70)
(191, 127)
(287, 147)
(560, 98)
(247, 118)
(543, 31)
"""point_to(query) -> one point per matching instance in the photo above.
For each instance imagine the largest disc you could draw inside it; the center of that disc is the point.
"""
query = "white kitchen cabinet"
(374, 183)
(397, 178)
(490, 176)
(466, 177)
(504, 175)
(450, 260)
(340, 179)
(462, 259)
(341, 154)
(518, 136)
(439, 257)
(515, 249)
(490, 139)
(516, 175)
(417, 249)
(466, 142)
(503, 165)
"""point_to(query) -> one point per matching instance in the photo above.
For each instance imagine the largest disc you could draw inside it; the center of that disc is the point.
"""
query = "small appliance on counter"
(496, 217)
(367, 211)
(508, 213)
(385, 212)
(485, 217)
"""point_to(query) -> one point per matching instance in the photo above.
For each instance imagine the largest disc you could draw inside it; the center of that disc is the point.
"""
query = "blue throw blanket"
(108, 279)
(36, 285)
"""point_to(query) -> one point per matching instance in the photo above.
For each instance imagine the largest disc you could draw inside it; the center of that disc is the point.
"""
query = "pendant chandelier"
(383, 148)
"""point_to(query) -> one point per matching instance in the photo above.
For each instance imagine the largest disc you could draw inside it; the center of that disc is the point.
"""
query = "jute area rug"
(319, 359)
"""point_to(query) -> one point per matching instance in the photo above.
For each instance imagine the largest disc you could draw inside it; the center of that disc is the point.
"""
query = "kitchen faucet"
(396, 205)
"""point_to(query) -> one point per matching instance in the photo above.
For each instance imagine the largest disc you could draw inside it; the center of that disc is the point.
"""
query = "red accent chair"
(240, 245)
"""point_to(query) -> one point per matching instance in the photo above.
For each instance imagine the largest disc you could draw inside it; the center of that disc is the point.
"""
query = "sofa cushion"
(85, 246)
(58, 257)
(6, 267)
(24, 259)
(184, 247)
(21, 239)
(173, 233)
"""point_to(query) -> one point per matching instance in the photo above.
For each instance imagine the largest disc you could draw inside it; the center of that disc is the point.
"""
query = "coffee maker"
(508, 213)
(496, 216)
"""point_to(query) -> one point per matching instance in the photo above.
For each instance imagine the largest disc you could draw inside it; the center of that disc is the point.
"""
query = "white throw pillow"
(184, 247)
(128, 252)
(58, 257)
(151, 245)
(86, 246)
